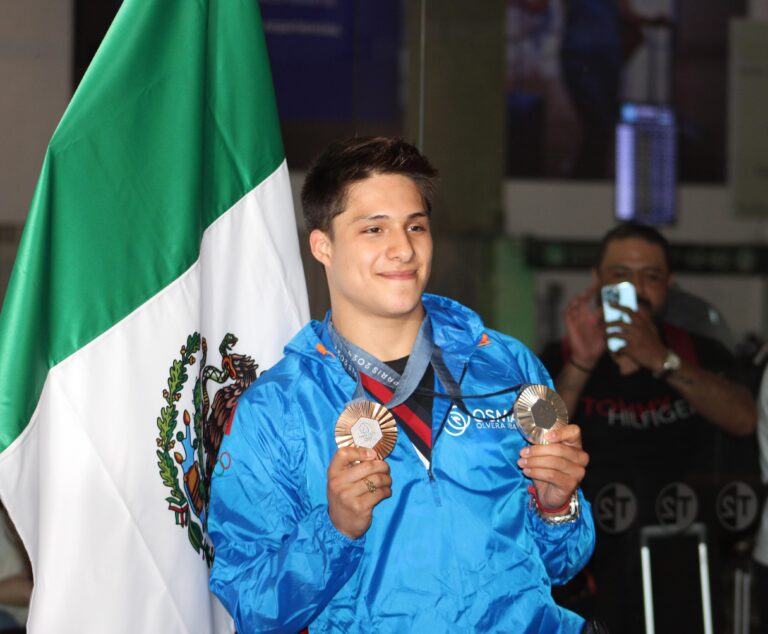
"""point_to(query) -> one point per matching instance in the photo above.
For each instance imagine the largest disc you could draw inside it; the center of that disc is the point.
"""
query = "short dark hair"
(635, 230)
(323, 196)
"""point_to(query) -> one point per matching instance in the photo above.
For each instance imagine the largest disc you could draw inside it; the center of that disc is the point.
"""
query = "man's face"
(379, 252)
(642, 263)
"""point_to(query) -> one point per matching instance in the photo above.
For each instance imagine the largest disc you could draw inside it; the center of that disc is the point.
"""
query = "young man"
(651, 414)
(464, 526)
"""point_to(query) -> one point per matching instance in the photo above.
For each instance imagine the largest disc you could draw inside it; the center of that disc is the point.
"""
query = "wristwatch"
(568, 513)
(671, 364)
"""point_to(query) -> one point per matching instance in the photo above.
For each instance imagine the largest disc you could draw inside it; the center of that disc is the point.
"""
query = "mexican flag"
(158, 275)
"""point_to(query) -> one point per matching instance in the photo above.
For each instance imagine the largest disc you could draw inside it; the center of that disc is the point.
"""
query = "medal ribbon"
(390, 388)
(357, 362)
(417, 427)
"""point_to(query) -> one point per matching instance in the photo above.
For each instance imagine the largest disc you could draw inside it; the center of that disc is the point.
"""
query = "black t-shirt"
(636, 426)
(643, 438)
(427, 382)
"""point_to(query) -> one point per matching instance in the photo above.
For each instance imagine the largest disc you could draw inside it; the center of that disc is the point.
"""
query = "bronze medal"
(367, 424)
(539, 409)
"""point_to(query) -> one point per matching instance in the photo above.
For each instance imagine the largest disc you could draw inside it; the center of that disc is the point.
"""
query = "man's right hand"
(354, 489)
(585, 328)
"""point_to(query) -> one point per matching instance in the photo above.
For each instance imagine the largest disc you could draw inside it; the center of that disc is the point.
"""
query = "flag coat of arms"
(158, 274)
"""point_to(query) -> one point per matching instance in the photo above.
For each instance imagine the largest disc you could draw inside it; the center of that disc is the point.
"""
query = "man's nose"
(638, 282)
(400, 246)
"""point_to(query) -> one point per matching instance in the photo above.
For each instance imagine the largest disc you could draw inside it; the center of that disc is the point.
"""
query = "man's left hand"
(556, 468)
(644, 346)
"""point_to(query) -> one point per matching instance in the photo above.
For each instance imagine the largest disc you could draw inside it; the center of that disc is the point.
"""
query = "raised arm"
(556, 470)
(586, 341)
(279, 558)
(724, 403)
(563, 531)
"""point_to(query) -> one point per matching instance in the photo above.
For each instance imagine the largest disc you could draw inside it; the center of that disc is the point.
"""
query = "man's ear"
(320, 246)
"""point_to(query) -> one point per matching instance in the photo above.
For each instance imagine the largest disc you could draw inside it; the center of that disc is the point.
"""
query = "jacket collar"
(457, 331)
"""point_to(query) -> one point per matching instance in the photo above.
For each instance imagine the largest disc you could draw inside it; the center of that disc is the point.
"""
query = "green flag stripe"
(173, 123)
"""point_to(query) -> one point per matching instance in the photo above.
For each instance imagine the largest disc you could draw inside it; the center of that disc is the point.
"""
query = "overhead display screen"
(646, 164)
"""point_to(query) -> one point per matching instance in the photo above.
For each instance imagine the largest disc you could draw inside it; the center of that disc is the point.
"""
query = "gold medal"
(538, 409)
(367, 424)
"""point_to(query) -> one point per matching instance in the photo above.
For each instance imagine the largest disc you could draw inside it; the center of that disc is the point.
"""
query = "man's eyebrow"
(384, 216)
(624, 267)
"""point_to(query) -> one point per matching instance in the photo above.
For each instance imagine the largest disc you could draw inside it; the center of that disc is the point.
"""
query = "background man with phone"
(651, 407)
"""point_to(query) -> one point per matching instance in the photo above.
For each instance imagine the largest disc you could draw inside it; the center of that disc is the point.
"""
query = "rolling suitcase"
(650, 533)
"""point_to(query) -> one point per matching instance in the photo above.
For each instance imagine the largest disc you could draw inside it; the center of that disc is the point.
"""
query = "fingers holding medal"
(556, 461)
(358, 476)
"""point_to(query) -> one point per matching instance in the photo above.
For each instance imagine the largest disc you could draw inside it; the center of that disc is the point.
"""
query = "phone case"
(623, 294)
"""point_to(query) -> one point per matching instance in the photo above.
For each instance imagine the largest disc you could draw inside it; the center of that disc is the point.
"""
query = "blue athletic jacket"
(462, 551)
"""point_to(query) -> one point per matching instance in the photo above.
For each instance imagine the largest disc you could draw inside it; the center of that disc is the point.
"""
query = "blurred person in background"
(599, 37)
(651, 416)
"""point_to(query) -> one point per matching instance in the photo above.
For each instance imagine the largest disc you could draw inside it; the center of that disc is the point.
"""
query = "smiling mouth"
(399, 275)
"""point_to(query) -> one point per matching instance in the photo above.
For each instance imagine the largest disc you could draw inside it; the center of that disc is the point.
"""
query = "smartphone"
(623, 294)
